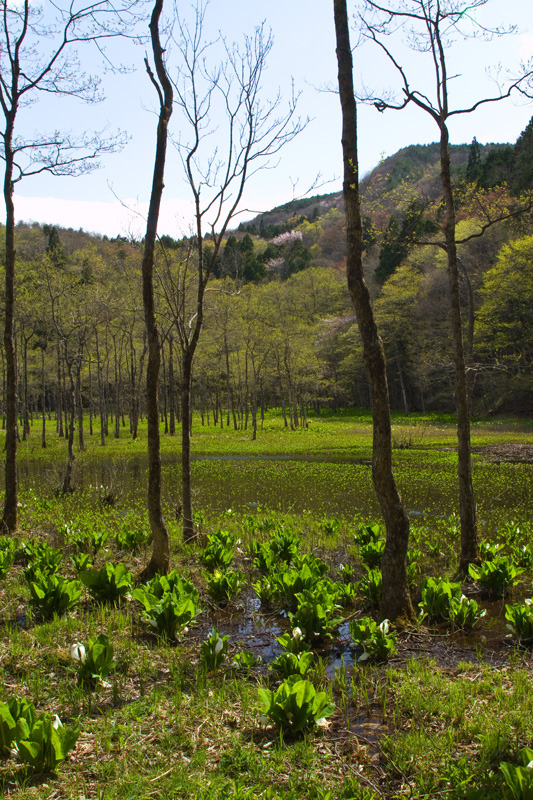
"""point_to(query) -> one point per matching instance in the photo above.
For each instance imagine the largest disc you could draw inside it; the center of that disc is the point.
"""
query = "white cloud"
(110, 219)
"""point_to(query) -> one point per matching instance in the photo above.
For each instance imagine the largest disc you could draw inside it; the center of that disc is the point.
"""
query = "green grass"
(427, 725)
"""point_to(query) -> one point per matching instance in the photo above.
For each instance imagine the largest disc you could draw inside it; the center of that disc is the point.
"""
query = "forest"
(279, 330)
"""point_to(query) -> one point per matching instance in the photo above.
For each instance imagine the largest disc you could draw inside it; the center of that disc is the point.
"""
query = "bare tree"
(396, 600)
(38, 58)
(229, 132)
(430, 26)
(160, 559)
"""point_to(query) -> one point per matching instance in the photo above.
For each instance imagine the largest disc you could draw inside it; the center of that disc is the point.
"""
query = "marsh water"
(335, 484)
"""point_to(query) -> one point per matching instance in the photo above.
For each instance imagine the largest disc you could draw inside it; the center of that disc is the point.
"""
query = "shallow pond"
(327, 483)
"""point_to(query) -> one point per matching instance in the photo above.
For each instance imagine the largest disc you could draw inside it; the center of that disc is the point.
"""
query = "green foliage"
(288, 664)
(443, 601)
(495, 577)
(437, 594)
(246, 660)
(520, 620)
(12, 714)
(376, 641)
(40, 741)
(519, 778)
(131, 538)
(170, 604)
(40, 558)
(294, 642)
(490, 550)
(305, 574)
(51, 594)
(45, 744)
(370, 588)
(315, 614)
(214, 650)
(82, 562)
(330, 526)
(92, 537)
(94, 661)
(465, 612)
(295, 707)
(224, 585)
(110, 584)
(218, 553)
(268, 590)
(7, 554)
(282, 547)
(372, 553)
(368, 533)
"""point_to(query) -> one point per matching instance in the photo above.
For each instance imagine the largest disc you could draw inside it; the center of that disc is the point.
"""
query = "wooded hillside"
(279, 328)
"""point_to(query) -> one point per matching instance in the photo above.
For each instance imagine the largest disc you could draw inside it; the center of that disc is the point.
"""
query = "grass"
(436, 721)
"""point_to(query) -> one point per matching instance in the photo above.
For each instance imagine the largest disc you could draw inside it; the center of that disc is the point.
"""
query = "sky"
(113, 200)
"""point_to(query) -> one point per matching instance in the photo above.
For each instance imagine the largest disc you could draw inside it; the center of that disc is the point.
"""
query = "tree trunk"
(171, 388)
(69, 469)
(43, 395)
(79, 362)
(467, 506)
(396, 600)
(160, 560)
(9, 517)
(186, 486)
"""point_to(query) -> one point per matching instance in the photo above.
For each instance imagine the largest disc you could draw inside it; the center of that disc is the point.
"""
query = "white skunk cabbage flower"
(218, 646)
(57, 722)
(77, 652)
(384, 627)
(297, 634)
(528, 601)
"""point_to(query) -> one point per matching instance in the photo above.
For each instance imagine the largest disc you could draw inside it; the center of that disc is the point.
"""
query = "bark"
(186, 484)
(160, 559)
(43, 395)
(467, 506)
(396, 601)
(9, 517)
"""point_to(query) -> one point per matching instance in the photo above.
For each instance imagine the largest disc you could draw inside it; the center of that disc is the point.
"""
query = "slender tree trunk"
(160, 559)
(9, 517)
(396, 601)
(101, 398)
(171, 388)
(91, 409)
(43, 400)
(467, 506)
(69, 469)
(59, 412)
(25, 410)
(79, 406)
(186, 485)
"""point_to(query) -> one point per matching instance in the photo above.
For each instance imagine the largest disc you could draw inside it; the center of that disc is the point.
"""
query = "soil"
(508, 453)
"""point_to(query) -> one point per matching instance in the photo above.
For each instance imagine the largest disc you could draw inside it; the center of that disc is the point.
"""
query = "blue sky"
(113, 200)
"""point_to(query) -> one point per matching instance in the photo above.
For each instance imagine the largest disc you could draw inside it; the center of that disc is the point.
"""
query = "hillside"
(411, 172)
